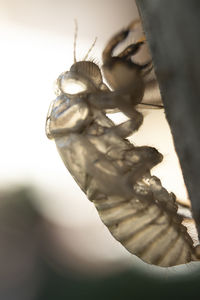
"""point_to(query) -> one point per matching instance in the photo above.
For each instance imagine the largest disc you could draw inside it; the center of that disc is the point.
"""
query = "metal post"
(172, 29)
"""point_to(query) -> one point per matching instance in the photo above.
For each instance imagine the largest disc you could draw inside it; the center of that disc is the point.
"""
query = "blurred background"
(52, 242)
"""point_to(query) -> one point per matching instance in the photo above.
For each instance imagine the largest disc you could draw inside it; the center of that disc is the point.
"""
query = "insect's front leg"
(127, 128)
(111, 100)
(116, 39)
(120, 71)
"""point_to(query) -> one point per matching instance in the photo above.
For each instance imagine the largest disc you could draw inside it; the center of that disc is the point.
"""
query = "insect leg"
(118, 38)
(127, 128)
(130, 50)
(142, 159)
(121, 73)
(121, 99)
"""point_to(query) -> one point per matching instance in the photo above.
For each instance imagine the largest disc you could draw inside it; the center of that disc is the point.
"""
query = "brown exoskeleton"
(114, 174)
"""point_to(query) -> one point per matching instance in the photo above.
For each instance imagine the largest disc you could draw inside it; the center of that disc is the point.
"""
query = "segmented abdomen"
(152, 230)
(137, 210)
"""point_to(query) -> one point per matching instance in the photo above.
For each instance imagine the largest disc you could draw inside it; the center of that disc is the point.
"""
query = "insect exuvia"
(113, 173)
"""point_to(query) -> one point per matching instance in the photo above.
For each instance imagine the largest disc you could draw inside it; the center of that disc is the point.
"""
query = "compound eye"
(71, 86)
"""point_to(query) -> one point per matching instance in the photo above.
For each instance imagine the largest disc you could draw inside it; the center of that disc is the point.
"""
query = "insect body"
(115, 174)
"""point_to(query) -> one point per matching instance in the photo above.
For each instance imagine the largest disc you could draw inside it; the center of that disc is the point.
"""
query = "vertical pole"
(172, 31)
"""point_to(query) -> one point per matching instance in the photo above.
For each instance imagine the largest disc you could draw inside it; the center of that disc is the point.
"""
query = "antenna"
(90, 49)
(75, 38)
